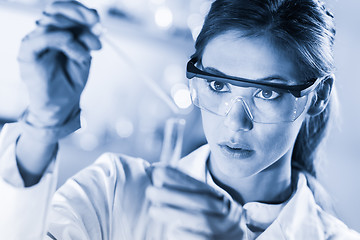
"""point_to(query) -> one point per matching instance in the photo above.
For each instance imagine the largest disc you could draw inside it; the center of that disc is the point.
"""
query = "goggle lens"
(261, 105)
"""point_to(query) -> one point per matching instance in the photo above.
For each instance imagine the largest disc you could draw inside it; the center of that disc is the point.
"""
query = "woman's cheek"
(212, 125)
(275, 140)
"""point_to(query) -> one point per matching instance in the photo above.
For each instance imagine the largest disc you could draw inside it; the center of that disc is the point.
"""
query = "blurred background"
(122, 114)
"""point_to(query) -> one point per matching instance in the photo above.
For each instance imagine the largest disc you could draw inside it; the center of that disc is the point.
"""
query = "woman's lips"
(236, 150)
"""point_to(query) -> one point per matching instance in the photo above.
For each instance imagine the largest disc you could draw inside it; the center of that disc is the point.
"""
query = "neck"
(271, 185)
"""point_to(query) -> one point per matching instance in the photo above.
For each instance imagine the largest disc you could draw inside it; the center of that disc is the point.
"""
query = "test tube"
(173, 139)
(173, 131)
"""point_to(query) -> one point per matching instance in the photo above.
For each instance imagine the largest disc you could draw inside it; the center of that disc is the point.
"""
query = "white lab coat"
(107, 201)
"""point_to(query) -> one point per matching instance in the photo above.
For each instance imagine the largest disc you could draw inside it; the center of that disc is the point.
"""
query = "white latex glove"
(54, 63)
(191, 209)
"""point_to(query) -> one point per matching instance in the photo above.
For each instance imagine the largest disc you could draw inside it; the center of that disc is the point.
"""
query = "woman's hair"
(305, 30)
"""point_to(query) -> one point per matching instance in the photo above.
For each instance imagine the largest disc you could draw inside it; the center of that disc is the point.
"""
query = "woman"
(262, 76)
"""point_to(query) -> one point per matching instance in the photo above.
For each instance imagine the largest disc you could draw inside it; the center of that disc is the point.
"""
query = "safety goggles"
(263, 101)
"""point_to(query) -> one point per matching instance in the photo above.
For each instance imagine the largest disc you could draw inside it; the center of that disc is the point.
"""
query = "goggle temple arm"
(310, 88)
(297, 91)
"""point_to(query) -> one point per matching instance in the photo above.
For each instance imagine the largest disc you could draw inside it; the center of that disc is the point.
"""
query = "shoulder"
(120, 166)
(334, 228)
(303, 218)
(114, 185)
(115, 169)
(110, 173)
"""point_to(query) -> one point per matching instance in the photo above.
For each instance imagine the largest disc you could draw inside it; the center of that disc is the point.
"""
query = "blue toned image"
(181, 119)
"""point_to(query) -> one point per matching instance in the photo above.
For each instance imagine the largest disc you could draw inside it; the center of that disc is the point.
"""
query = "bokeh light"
(181, 96)
(163, 17)
(124, 127)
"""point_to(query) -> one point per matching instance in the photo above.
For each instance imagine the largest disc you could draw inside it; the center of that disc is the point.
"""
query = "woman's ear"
(322, 96)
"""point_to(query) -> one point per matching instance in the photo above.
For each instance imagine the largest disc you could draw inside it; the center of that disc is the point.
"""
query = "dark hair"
(303, 28)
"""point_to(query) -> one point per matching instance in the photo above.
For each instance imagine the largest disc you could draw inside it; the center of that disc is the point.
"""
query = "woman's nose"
(238, 118)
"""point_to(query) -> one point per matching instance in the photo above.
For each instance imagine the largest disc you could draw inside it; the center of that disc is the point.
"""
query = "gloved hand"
(54, 63)
(191, 209)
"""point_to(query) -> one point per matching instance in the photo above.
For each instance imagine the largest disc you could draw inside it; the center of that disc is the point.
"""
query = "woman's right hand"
(55, 60)
(54, 63)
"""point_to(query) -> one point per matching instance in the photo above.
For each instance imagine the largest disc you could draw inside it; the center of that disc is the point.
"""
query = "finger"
(78, 80)
(172, 177)
(194, 201)
(89, 39)
(207, 224)
(63, 22)
(56, 20)
(75, 11)
(36, 43)
(181, 233)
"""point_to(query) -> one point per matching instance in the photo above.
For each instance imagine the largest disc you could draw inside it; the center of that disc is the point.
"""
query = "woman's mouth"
(236, 150)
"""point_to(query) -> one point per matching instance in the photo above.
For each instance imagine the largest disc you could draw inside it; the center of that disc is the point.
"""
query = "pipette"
(173, 132)
(101, 32)
(174, 127)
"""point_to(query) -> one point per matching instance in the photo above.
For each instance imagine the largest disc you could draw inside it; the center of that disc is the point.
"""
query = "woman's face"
(240, 147)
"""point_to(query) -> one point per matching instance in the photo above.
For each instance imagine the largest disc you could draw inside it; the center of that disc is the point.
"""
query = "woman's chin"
(234, 166)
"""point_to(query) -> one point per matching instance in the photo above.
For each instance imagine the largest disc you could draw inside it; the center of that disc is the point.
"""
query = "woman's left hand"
(191, 209)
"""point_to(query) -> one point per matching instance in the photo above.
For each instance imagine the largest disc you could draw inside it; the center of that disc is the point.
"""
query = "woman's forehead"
(249, 57)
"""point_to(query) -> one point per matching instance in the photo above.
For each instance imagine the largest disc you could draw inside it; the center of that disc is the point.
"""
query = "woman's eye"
(267, 94)
(218, 86)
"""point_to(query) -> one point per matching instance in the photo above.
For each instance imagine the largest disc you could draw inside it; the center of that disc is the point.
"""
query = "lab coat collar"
(297, 220)
(194, 164)
(299, 217)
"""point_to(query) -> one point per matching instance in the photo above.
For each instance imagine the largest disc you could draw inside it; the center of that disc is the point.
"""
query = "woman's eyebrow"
(215, 71)
(271, 78)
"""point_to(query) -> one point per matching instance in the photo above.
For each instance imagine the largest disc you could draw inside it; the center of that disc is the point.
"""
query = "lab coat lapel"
(299, 217)
(194, 164)
(297, 220)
